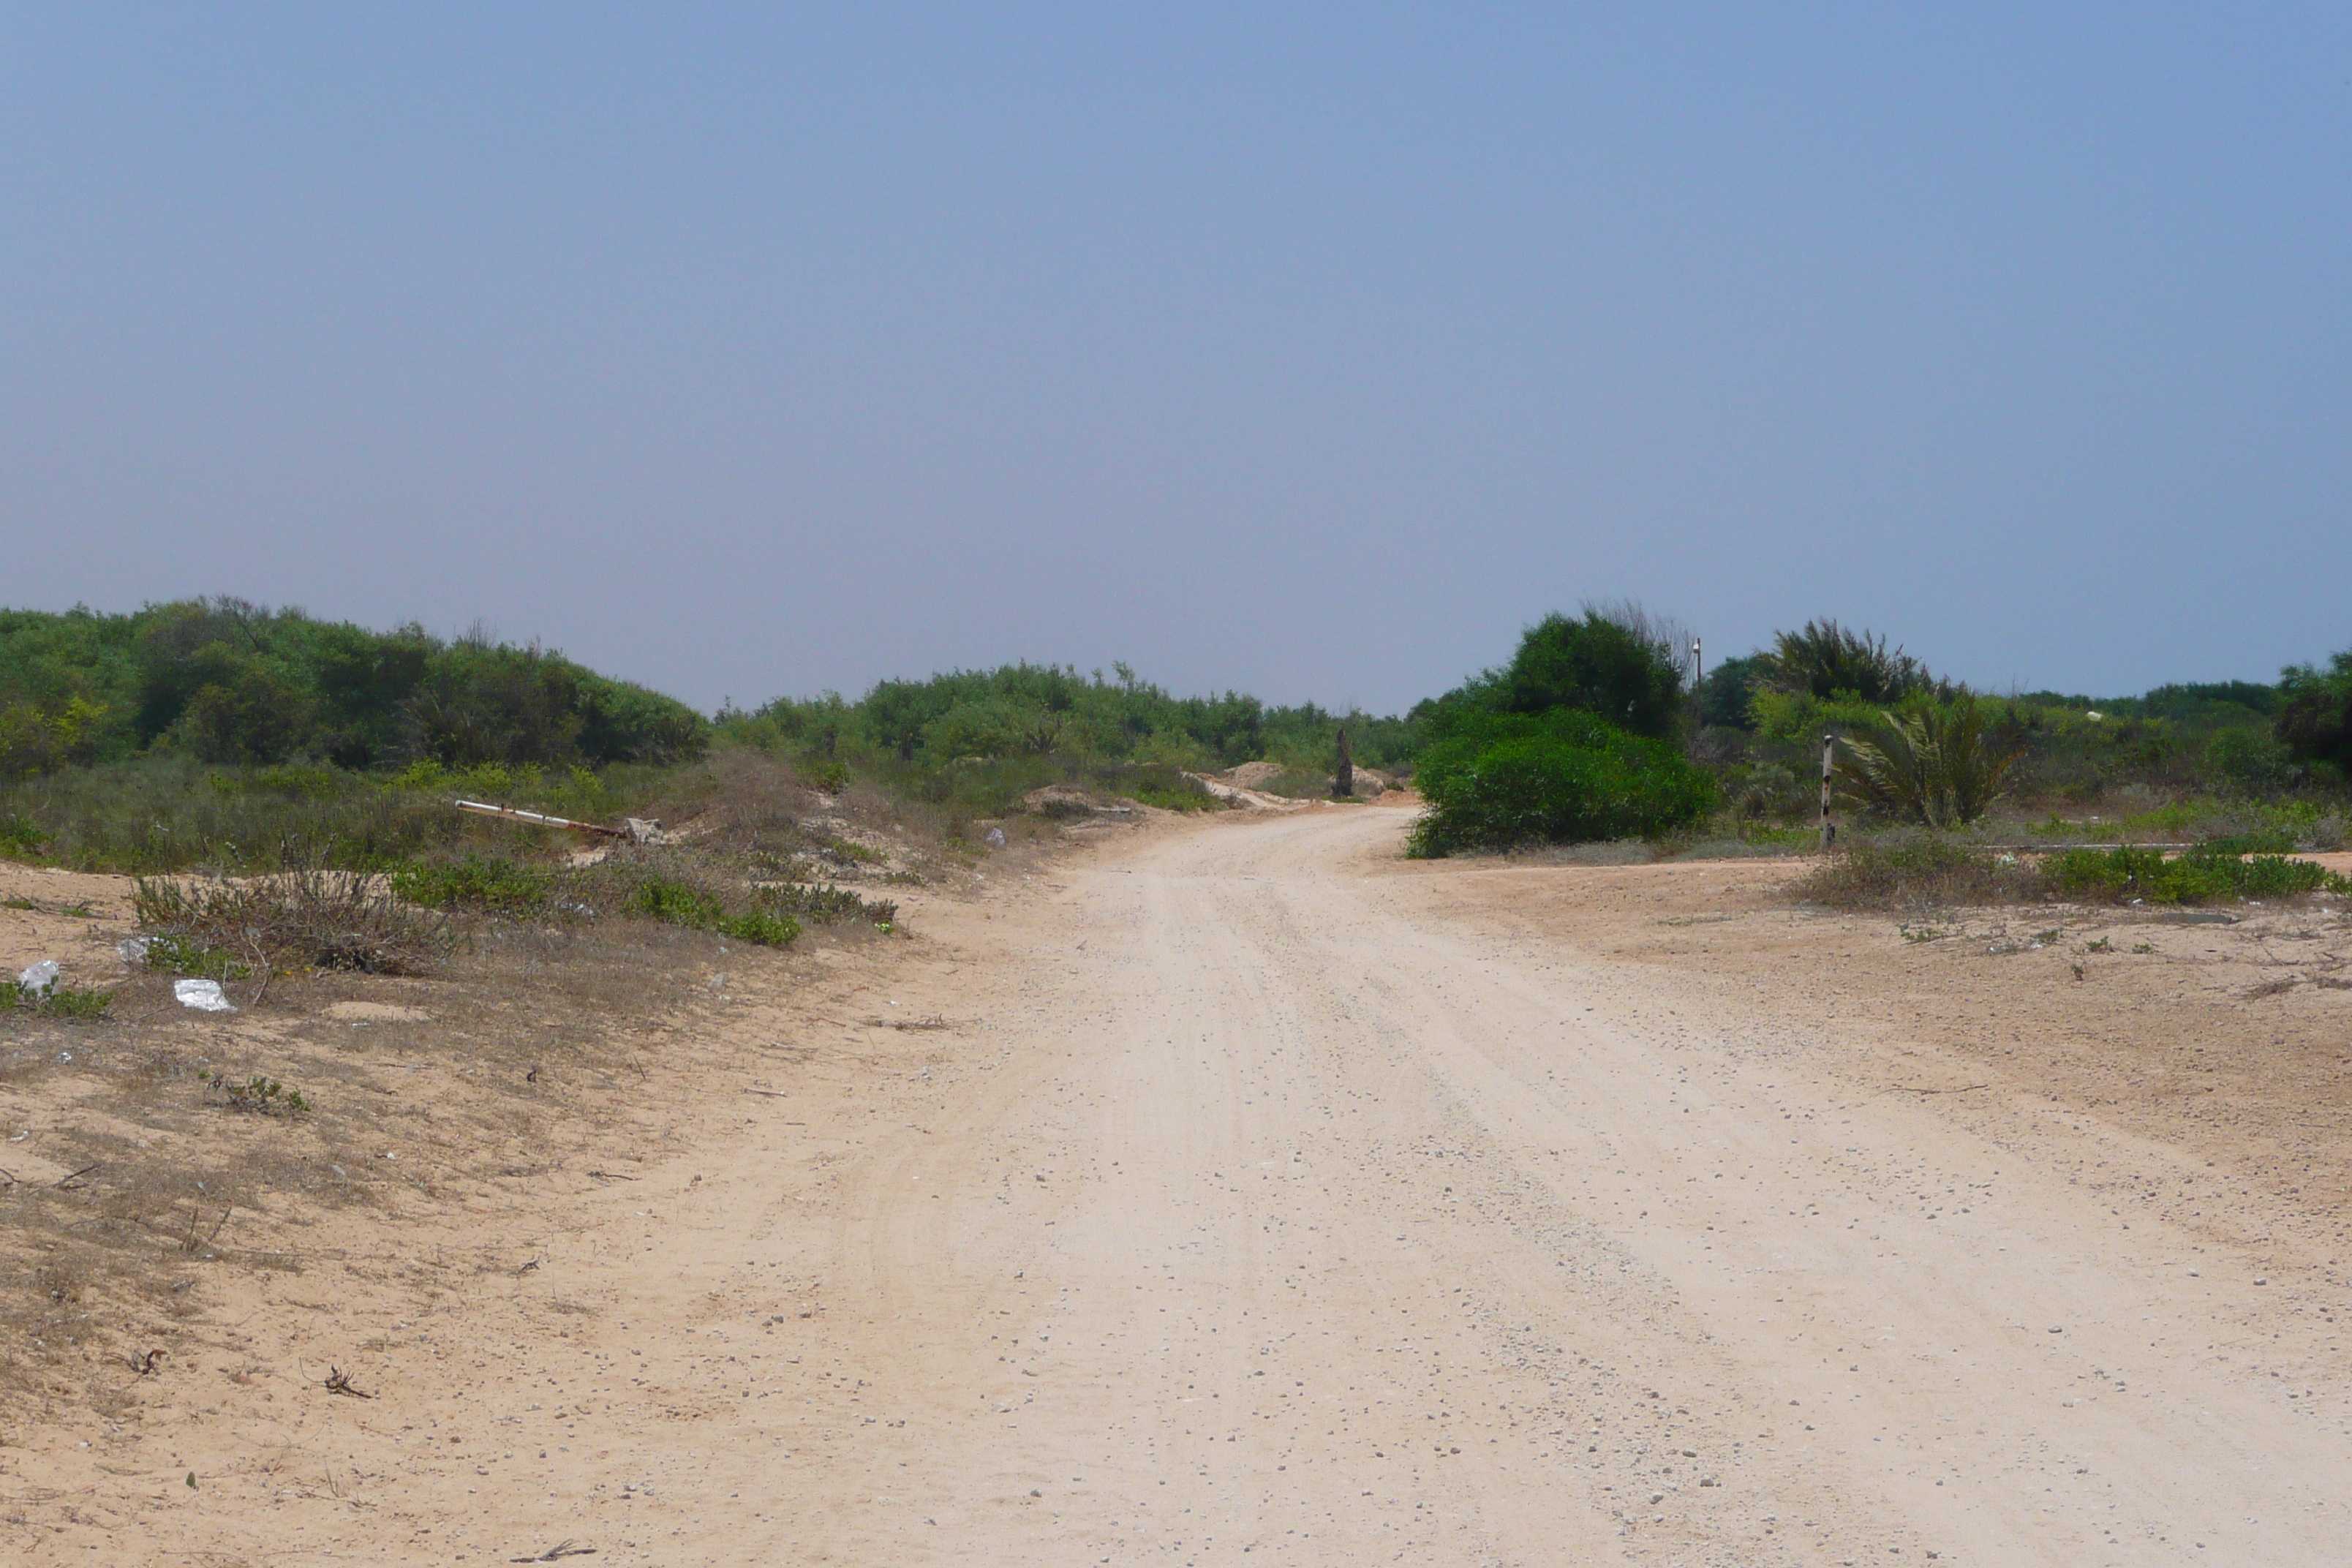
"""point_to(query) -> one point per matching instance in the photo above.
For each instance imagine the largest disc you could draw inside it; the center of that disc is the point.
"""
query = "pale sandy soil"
(1267, 1198)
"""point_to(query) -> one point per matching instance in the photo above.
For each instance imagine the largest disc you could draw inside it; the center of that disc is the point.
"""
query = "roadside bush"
(1503, 780)
(1616, 665)
(1917, 873)
(2197, 875)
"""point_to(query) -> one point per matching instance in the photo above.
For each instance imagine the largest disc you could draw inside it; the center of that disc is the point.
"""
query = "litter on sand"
(204, 995)
(38, 980)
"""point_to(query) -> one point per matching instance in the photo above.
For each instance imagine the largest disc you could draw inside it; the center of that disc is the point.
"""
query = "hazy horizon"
(1311, 354)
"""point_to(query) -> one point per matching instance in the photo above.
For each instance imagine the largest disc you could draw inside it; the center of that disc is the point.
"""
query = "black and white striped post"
(1828, 829)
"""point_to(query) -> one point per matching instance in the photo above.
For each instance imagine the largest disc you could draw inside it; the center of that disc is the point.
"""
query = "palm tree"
(1940, 766)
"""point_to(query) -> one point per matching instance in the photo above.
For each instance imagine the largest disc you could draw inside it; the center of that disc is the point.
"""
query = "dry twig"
(340, 1382)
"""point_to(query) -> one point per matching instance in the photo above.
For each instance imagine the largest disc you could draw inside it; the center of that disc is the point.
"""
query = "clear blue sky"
(749, 351)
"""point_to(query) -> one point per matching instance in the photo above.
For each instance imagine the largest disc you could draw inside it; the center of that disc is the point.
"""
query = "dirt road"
(1254, 1205)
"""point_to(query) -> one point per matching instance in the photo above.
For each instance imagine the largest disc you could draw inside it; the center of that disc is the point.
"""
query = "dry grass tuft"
(1923, 873)
(321, 920)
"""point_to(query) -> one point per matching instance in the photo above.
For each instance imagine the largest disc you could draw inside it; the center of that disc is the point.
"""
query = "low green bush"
(1498, 781)
(674, 902)
(18, 836)
(489, 883)
(58, 1001)
(2199, 876)
(759, 927)
(826, 904)
(179, 955)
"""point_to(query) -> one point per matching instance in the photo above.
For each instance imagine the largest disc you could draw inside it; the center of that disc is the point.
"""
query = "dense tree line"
(226, 681)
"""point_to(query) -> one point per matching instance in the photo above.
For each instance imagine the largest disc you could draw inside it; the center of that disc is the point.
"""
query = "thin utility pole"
(1828, 829)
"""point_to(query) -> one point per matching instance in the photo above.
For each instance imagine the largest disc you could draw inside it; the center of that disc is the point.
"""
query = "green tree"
(1598, 665)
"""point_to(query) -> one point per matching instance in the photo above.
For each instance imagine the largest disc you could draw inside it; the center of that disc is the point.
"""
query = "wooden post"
(1828, 829)
(1343, 777)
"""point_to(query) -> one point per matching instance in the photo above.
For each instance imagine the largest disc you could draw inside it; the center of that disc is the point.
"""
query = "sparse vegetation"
(313, 919)
(263, 1095)
(1920, 873)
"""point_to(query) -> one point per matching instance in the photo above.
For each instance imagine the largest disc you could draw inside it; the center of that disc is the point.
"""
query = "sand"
(1234, 1191)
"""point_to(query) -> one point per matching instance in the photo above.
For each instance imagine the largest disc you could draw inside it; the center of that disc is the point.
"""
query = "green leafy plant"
(18, 836)
(179, 955)
(1936, 766)
(493, 884)
(826, 904)
(263, 1095)
(675, 902)
(2200, 875)
(57, 1000)
(1503, 780)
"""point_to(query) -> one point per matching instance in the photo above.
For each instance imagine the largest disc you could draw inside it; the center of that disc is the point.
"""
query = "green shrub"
(826, 904)
(1191, 798)
(1500, 781)
(58, 1001)
(18, 836)
(179, 955)
(1614, 666)
(2253, 761)
(491, 884)
(2315, 722)
(759, 927)
(2199, 876)
(1829, 662)
(674, 902)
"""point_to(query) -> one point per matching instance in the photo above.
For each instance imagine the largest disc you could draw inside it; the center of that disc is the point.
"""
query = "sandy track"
(1258, 1206)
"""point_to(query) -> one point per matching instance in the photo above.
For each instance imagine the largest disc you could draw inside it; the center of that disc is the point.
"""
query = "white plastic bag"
(38, 980)
(204, 995)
